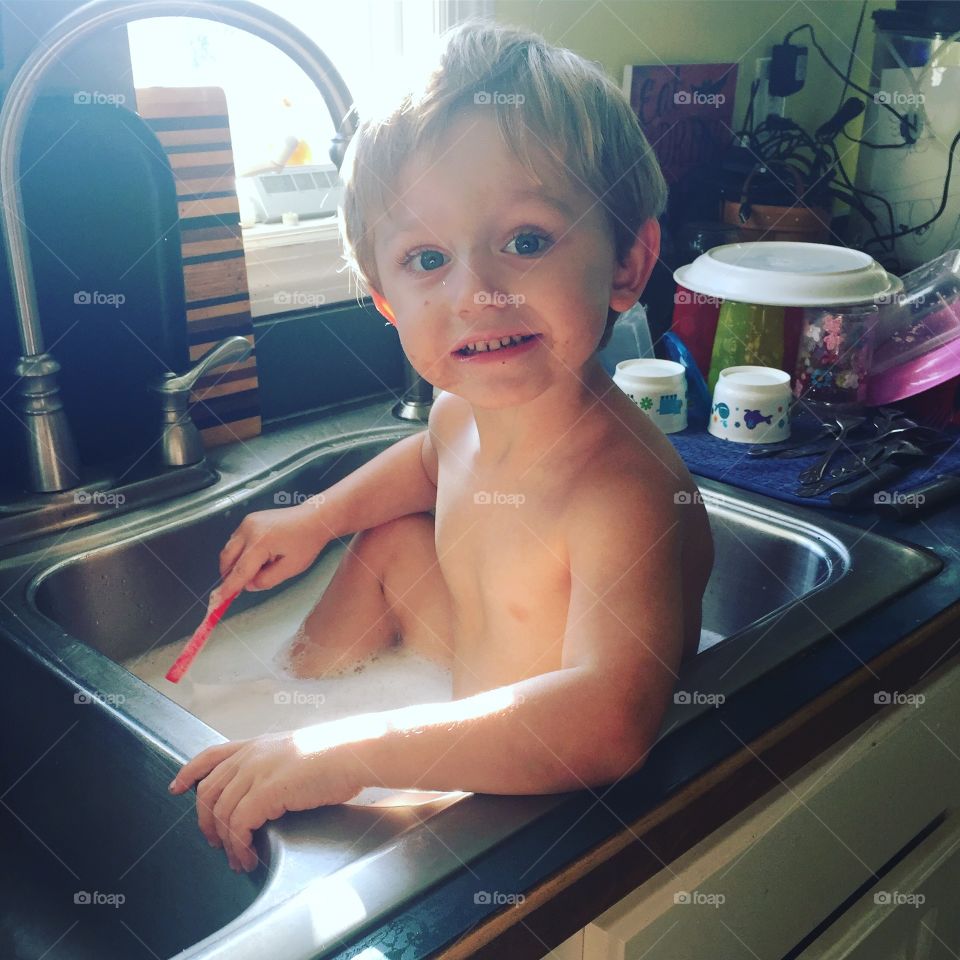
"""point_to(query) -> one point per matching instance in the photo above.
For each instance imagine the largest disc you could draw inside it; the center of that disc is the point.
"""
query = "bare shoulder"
(446, 418)
(629, 466)
(448, 414)
(630, 606)
(647, 463)
(635, 504)
(622, 494)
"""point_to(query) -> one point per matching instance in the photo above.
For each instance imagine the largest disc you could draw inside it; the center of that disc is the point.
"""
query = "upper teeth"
(482, 345)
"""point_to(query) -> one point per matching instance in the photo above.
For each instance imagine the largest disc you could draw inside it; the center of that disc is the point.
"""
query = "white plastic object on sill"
(310, 190)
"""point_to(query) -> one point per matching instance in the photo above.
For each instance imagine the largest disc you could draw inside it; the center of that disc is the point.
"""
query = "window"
(268, 95)
(270, 100)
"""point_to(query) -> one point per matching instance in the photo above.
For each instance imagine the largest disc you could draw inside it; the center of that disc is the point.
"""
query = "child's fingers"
(244, 570)
(228, 794)
(245, 819)
(270, 575)
(205, 761)
(232, 550)
(208, 796)
(235, 835)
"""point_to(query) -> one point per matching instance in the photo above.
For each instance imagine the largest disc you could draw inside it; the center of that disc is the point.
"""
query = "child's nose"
(473, 286)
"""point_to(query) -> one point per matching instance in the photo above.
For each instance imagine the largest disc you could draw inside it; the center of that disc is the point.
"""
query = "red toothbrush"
(195, 645)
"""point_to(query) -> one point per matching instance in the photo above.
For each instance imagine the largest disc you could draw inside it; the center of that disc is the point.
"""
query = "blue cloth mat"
(728, 462)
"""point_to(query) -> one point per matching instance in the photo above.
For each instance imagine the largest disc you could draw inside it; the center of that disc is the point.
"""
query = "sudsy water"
(241, 683)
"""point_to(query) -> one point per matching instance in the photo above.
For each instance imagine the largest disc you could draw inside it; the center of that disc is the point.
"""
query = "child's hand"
(271, 546)
(245, 783)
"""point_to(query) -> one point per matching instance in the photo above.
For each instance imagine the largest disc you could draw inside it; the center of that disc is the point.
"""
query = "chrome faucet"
(417, 396)
(52, 460)
(180, 444)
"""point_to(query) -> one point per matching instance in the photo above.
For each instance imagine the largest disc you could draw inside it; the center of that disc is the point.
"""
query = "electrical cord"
(906, 125)
(748, 116)
(943, 200)
(859, 193)
(853, 53)
(786, 151)
(908, 130)
(876, 146)
(846, 86)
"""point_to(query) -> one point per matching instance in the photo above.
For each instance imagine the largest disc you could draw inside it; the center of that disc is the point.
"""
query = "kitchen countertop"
(598, 845)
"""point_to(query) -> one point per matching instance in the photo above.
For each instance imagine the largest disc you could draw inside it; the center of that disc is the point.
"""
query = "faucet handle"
(181, 444)
(231, 350)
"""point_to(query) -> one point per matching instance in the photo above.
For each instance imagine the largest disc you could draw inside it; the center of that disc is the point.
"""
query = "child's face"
(473, 248)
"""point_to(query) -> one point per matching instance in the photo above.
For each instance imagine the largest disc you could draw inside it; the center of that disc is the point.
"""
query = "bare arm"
(392, 484)
(271, 545)
(400, 480)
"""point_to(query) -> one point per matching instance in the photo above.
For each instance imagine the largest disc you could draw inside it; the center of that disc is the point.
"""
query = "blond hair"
(569, 107)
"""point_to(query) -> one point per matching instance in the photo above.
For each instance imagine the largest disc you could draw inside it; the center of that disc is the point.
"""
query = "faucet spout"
(52, 462)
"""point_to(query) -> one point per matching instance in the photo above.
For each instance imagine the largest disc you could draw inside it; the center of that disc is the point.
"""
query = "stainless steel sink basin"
(784, 579)
(76, 607)
(98, 861)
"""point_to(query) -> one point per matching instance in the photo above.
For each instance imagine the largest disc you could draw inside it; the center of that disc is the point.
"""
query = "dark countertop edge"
(587, 854)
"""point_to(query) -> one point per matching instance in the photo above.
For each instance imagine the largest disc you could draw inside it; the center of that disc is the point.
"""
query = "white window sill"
(295, 267)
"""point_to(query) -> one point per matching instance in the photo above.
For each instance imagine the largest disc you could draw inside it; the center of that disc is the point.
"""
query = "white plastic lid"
(785, 273)
(659, 372)
(753, 376)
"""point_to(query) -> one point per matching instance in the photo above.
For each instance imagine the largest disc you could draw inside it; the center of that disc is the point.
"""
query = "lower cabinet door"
(912, 913)
(774, 877)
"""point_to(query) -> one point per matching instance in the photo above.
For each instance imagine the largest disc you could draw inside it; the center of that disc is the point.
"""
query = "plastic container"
(658, 388)
(747, 333)
(694, 321)
(630, 339)
(751, 404)
(918, 339)
(754, 279)
(695, 317)
(835, 354)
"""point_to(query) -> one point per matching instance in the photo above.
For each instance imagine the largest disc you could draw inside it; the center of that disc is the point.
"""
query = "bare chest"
(500, 547)
(505, 564)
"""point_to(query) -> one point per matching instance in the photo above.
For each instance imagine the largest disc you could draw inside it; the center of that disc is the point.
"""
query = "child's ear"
(382, 306)
(631, 276)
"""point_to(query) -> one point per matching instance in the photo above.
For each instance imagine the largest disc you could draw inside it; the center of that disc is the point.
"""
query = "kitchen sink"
(85, 784)
(98, 860)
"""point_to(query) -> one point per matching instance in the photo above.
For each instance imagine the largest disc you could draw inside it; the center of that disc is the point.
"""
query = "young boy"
(502, 219)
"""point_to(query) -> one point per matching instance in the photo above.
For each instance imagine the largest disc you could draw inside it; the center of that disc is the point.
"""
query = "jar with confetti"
(834, 356)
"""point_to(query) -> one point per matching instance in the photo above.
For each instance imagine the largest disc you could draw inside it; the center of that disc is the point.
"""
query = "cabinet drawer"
(910, 914)
(759, 886)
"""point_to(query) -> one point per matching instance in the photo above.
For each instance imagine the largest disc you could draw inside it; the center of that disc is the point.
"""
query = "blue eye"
(425, 260)
(527, 244)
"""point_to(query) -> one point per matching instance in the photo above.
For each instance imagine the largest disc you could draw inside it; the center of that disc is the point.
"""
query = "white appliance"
(915, 82)
(310, 190)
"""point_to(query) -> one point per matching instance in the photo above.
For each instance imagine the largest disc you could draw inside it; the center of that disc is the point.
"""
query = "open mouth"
(491, 346)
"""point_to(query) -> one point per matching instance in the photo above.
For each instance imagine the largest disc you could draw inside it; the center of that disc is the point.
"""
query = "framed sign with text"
(685, 111)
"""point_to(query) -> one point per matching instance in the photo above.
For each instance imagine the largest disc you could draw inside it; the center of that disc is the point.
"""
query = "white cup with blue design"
(751, 405)
(658, 388)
